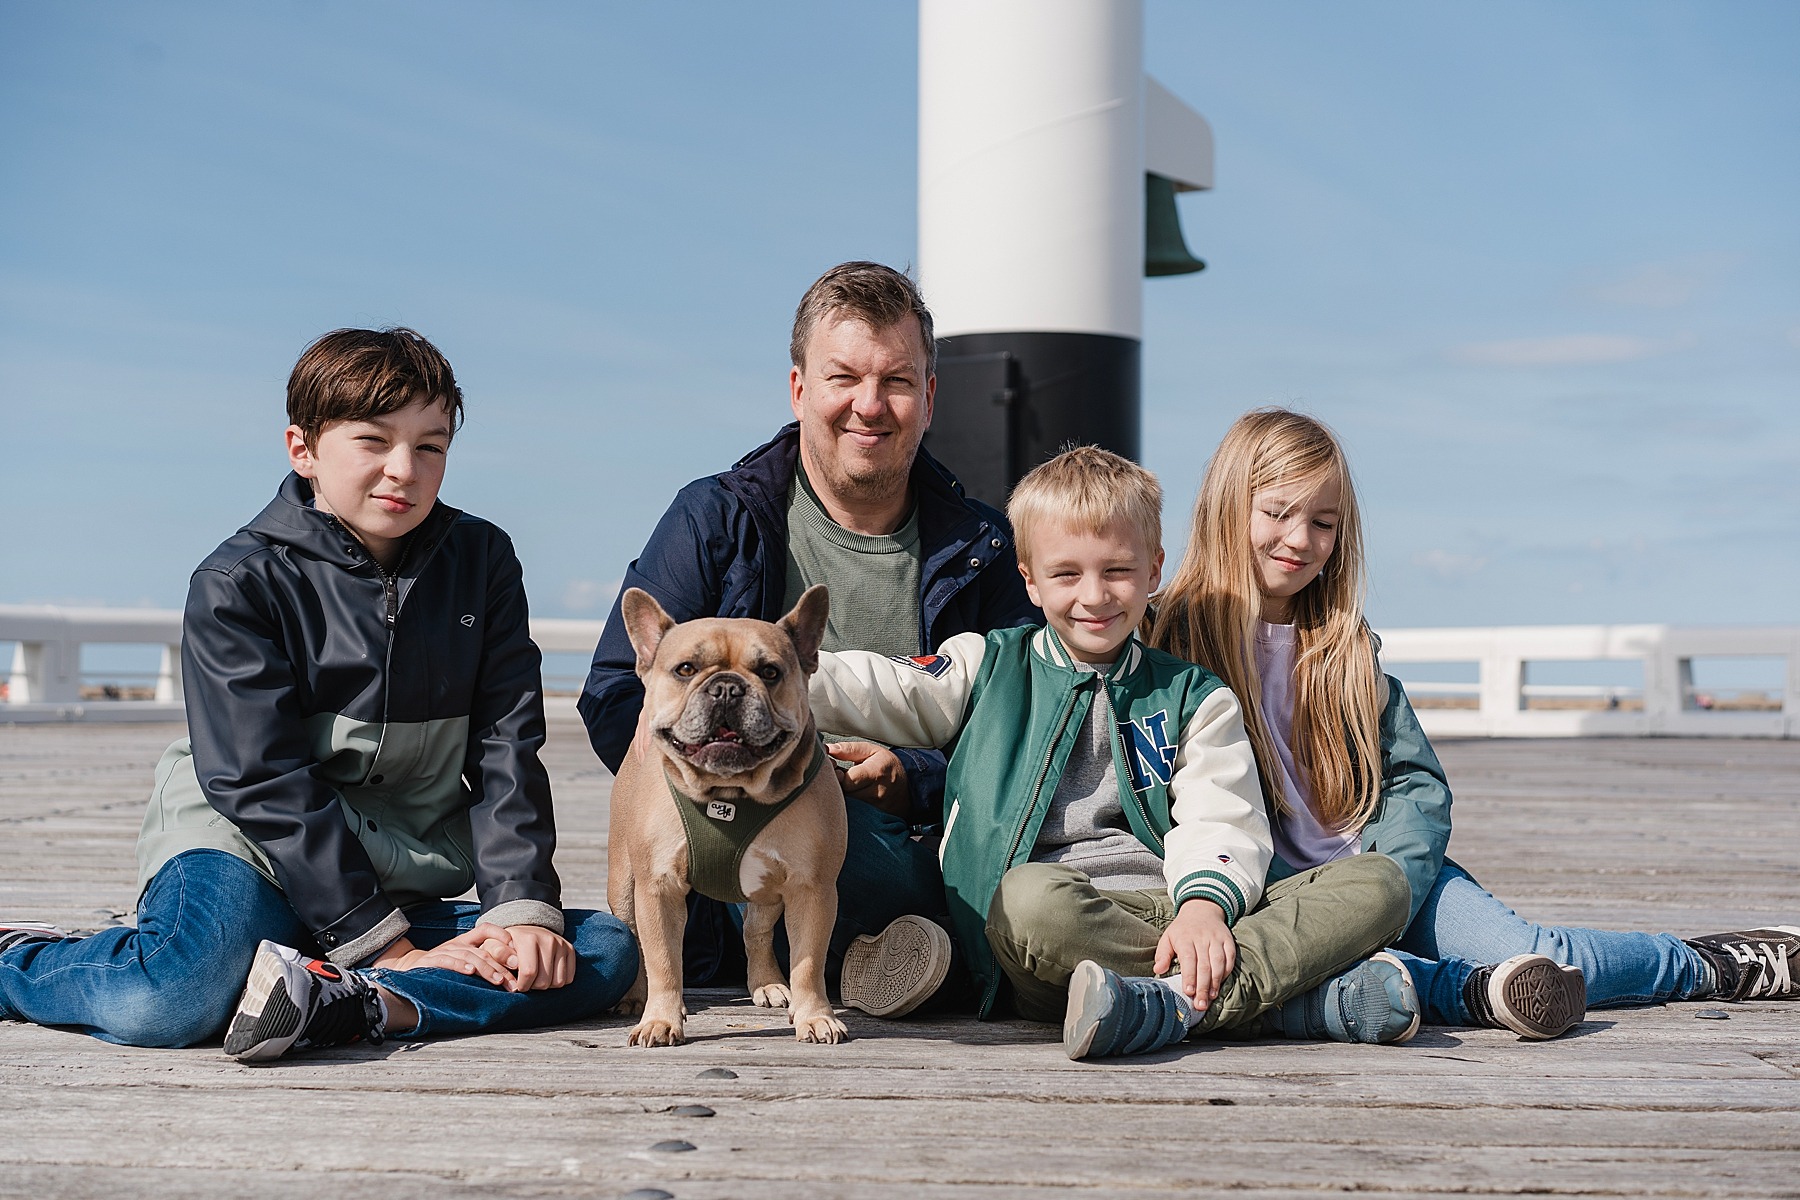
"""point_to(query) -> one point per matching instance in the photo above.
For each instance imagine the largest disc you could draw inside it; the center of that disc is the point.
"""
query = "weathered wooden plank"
(1689, 835)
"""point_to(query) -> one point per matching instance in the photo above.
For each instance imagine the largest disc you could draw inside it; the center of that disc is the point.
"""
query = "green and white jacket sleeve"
(1220, 846)
(900, 701)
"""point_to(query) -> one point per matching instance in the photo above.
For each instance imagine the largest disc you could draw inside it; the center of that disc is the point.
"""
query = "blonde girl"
(1270, 597)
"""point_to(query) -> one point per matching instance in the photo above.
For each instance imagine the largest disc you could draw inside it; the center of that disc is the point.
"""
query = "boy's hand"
(1201, 942)
(539, 958)
(876, 778)
(465, 952)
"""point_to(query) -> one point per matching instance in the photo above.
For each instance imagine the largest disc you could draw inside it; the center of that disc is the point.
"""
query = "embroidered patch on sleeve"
(1150, 754)
(933, 665)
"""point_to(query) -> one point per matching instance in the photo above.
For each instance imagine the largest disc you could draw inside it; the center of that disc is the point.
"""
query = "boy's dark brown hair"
(356, 374)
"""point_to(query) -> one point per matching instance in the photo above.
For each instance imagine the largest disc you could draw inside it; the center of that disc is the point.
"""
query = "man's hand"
(876, 776)
(466, 952)
(539, 958)
(1201, 942)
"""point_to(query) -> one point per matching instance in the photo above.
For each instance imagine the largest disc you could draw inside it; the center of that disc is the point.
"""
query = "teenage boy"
(1104, 808)
(364, 718)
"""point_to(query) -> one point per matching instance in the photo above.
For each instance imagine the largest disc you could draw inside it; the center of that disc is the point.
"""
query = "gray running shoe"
(293, 1002)
(893, 972)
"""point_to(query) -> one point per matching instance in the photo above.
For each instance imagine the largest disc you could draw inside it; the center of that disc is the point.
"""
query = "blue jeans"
(176, 978)
(886, 874)
(1462, 925)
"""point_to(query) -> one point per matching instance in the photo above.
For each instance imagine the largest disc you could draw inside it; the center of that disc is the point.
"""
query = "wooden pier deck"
(1692, 836)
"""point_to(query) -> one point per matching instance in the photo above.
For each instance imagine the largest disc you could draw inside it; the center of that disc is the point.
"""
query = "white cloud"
(1446, 565)
(1663, 284)
(1565, 350)
(587, 595)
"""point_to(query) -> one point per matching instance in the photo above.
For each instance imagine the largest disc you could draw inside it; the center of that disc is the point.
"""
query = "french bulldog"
(726, 790)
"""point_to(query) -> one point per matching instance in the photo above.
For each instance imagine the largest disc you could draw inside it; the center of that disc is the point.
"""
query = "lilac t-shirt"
(1301, 840)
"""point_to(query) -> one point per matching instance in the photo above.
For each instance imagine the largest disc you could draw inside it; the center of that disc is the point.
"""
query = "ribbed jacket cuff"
(1216, 886)
(525, 912)
(348, 954)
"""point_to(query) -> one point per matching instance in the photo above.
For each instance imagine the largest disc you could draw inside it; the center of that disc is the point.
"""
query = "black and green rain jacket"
(367, 741)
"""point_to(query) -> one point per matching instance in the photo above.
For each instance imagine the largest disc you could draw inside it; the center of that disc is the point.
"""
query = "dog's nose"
(725, 688)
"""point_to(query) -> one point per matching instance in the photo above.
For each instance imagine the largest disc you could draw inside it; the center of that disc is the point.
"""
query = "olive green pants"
(1046, 918)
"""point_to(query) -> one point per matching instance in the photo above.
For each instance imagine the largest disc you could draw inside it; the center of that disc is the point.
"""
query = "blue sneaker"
(1372, 1002)
(1110, 1015)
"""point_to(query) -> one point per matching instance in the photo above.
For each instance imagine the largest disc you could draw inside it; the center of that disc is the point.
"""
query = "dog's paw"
(631, 1006)
(655, 1032)
(825, 1029)
(772, 995)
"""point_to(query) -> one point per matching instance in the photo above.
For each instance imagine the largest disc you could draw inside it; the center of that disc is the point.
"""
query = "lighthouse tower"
(1048, 168)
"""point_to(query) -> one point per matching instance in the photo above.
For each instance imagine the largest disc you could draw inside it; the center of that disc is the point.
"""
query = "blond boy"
(1104, 823)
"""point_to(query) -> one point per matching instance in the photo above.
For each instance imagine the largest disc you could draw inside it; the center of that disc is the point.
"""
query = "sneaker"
(1373, 1002)
(293, 1002)
(1110, 1015)
(893, 972)
(1536, 997)
(19, 935)
(1753, 964)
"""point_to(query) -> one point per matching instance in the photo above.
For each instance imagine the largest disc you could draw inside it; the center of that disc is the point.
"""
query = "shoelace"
(1774, 975)
(354, 1013)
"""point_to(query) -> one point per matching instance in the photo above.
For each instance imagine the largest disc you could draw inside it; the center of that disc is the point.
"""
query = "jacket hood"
(291, 520)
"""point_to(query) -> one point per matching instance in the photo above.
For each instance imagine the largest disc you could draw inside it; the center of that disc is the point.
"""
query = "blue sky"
(1537, 262)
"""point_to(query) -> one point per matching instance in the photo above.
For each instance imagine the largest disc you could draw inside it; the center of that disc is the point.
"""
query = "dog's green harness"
(719, 831)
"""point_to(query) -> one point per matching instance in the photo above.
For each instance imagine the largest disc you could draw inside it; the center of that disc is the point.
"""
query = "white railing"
(1668, 703)
(46, 679)
(45, 683)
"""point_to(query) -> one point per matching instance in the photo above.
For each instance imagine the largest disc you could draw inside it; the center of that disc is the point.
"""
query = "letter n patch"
(1149, 755)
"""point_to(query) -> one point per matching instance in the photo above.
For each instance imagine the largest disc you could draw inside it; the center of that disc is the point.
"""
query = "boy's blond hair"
(1086, 488)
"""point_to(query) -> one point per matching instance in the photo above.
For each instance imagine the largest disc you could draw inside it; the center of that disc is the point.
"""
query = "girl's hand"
(1201, 942)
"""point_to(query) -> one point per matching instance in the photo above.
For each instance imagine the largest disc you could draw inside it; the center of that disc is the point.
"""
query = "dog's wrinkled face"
(725, 696)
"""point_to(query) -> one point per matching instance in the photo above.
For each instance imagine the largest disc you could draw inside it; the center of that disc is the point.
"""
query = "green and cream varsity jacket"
(1013, 704)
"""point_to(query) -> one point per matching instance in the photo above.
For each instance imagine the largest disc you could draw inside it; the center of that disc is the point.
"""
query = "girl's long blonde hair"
(1209, 611)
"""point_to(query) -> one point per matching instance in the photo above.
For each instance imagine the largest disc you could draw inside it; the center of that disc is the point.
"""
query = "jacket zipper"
(1037, 791)
(390, 588)
(1124, 760)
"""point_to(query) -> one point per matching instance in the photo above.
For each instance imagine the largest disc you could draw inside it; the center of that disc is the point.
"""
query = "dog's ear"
(645, 624)
(806, 625)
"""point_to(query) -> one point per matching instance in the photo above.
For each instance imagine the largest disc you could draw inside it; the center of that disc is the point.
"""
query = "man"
(844, 497)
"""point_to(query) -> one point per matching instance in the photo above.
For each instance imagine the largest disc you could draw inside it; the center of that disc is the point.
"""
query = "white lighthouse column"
(1031, 227)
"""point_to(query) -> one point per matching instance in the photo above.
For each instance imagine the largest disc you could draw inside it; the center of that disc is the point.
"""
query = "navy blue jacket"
(721, 551)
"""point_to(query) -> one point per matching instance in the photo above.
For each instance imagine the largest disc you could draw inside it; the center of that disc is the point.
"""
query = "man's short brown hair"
(356, 374)
(1085, 488)
(877, 295)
